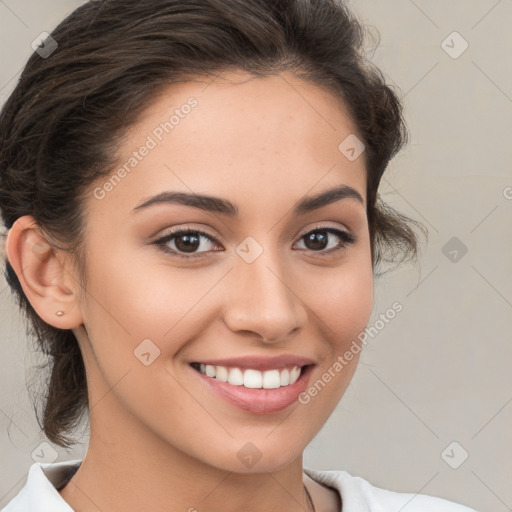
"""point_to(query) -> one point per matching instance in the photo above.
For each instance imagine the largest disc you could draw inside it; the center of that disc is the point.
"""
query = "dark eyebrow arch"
(218, 205)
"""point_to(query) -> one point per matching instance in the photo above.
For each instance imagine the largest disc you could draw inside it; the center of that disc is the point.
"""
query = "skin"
(158, 434)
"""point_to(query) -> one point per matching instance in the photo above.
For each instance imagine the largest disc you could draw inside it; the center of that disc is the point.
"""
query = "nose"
(262, 300)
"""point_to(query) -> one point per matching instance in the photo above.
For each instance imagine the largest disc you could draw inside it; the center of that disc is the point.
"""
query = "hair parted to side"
(63, 123)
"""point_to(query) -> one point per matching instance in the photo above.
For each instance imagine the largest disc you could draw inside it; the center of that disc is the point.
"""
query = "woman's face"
(268, 285)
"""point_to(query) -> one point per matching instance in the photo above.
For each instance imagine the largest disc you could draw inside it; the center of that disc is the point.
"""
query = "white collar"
(40, 493)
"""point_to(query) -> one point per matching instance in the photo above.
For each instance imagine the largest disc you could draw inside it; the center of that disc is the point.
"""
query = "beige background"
(439, 372)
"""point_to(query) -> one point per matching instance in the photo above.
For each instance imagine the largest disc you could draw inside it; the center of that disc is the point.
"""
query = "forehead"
(259, 138)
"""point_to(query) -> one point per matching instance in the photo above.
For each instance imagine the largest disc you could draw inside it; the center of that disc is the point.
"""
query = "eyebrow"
(218, 205)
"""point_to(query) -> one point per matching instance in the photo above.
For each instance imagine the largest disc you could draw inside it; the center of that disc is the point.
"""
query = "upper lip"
(259, 362)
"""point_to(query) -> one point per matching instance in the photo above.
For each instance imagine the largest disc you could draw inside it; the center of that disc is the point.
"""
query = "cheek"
(139, 300)
(344, 309)
(342, 300)
(350, 309)
(137, 318)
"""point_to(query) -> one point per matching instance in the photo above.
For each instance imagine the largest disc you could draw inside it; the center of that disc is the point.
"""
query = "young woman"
(190, 193)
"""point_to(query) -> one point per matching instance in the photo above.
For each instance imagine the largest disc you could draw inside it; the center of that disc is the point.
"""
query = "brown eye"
(318, 240)
(186, 243)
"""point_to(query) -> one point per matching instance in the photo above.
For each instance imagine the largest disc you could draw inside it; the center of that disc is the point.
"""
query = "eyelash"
(346, 239)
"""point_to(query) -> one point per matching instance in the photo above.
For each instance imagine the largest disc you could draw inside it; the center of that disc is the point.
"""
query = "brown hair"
(62, 125)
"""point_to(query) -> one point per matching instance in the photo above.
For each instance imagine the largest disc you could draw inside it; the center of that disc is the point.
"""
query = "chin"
(259, 456)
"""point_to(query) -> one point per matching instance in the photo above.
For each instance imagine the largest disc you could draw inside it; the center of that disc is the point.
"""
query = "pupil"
(319, 240)
(189, 239)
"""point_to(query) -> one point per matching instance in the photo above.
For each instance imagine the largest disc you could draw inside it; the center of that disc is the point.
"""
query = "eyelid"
(186, 229)
(320, 227)
(164, 239)
(345, 236)
(161, 241)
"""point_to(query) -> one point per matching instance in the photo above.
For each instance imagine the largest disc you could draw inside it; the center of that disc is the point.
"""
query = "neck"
(114, 478)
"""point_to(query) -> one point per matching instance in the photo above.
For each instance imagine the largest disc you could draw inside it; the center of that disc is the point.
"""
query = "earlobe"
(48, 284)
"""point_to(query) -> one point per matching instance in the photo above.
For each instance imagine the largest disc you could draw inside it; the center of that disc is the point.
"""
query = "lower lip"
(259, 401)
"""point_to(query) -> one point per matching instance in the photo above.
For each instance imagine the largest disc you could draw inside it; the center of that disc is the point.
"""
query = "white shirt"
(40, 493)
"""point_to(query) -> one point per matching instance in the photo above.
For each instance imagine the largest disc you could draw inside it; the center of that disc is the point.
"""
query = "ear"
(44, 274)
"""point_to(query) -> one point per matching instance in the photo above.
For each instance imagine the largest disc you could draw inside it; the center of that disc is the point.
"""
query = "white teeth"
(271, 379)
(221, 373)
(294, 374)
(253, 379)
(235, 377)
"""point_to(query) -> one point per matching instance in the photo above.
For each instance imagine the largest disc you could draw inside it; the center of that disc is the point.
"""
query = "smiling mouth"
(250, 378)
